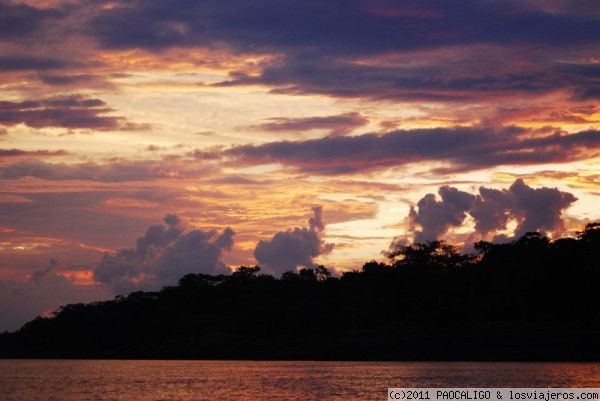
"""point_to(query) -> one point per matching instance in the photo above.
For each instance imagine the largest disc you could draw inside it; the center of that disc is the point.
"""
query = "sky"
(144, 140)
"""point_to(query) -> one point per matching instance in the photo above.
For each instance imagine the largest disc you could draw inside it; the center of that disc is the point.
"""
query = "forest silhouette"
(530, 299)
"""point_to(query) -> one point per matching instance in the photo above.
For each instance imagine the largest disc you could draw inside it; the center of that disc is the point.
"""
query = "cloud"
(287, 250)
(402, 50)
(582, 7)
(399, 50)
(338, 125)
(163, 255)
(17, 20)
(446, 79)
(338, 27)
(463, 148)
(58, 80)
(436, 217)
(111, 171)
(589, 92)
(32, 153)
(73, 112)
(540, 209)
(377, 50)
(76, 81)
(491, 210)
(74, 223)
(43, 292)
(28, 63)
(532, 209)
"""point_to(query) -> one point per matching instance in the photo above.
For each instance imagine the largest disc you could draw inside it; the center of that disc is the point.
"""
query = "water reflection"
(251, 380)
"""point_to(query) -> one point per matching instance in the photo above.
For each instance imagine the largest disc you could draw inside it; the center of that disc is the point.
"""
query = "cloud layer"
(462, 148)
(338, 125)
(401, 50)
(73, 111)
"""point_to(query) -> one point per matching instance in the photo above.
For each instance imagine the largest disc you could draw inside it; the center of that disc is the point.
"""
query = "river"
(100, 380)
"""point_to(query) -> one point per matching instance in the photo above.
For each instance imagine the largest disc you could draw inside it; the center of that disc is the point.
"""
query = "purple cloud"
(32, 153)
(533, 209)
(436, 217)
(28, 63)
(21, 20)
(463, 148)
(112, 171)
(341, 48)
(73, 112)
(338, 125)
(292, 248)
(163, 255)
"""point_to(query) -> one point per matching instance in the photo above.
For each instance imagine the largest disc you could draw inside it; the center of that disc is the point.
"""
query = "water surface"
(264, 380)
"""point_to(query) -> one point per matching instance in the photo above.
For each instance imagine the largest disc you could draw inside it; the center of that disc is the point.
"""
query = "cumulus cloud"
(539, 209)
(292, 248)
(44, 292)
(436, 217)
(163, 255)
(491, 210)
(533, 209)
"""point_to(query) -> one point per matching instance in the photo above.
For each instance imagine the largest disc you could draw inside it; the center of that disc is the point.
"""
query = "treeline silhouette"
(530, 299)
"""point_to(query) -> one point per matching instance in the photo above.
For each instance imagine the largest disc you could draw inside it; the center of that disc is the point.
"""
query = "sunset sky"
(143, 140)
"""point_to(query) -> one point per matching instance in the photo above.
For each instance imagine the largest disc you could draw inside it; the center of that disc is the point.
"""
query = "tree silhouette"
(532, 298)
(437, 255)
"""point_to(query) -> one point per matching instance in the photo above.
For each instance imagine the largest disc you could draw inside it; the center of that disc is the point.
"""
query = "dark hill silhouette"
(531, 299)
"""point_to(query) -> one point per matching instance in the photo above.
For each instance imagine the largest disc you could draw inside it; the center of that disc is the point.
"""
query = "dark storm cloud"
(73, 112)
(534, 209)
(338, 125)
(163, 255)
(292, 248)
(464, 148)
